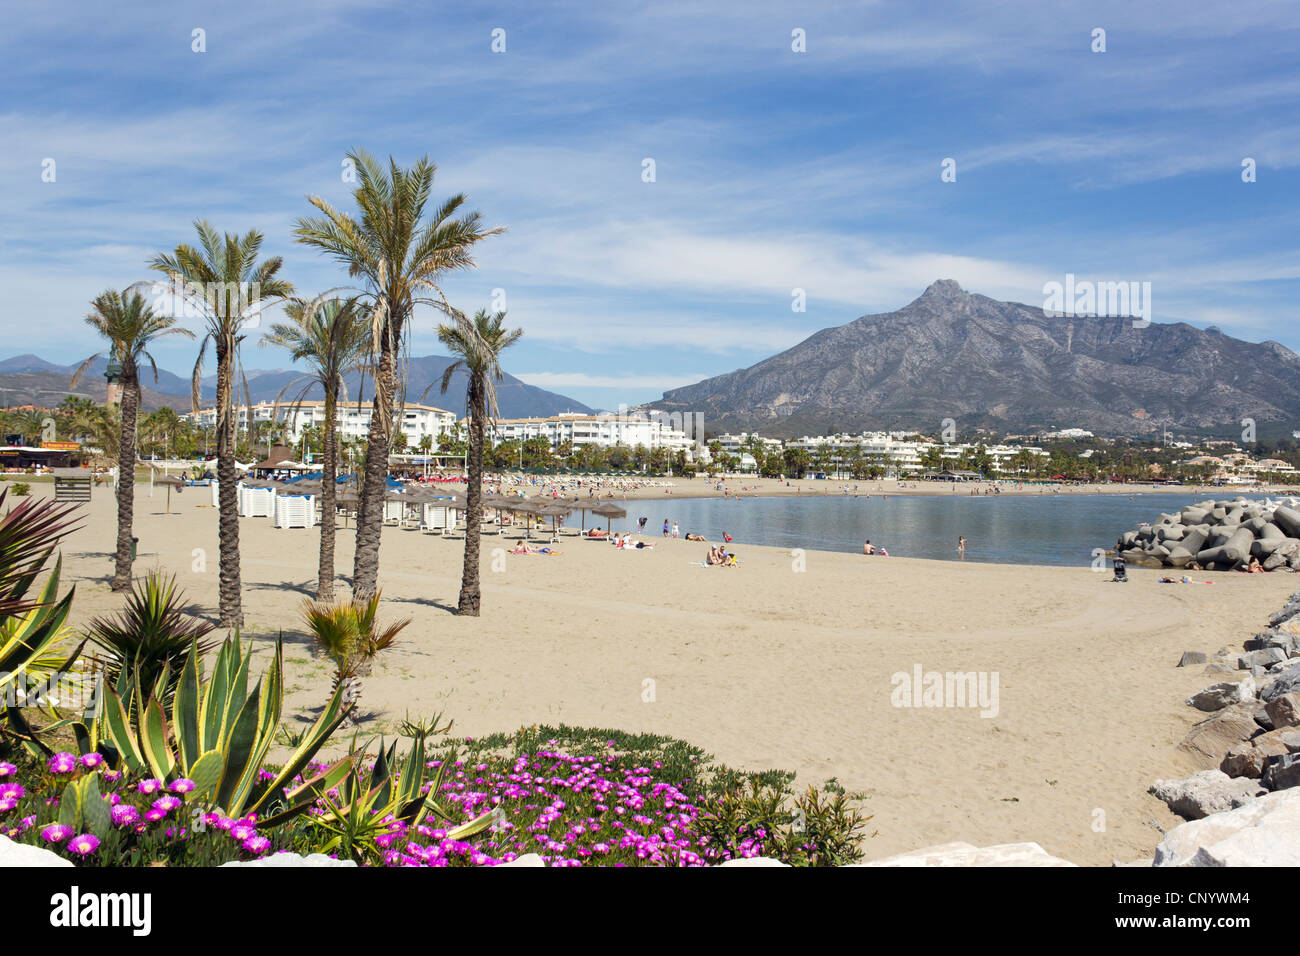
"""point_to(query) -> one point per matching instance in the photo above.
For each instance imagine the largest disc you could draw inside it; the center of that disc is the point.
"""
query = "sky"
(775, 169)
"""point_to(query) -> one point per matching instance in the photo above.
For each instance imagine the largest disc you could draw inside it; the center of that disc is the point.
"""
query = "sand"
(785, 661)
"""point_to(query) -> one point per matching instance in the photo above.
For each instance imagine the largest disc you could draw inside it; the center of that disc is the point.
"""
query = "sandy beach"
(789, 660)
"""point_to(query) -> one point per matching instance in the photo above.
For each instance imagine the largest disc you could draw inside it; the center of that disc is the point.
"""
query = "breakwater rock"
(1218, 536)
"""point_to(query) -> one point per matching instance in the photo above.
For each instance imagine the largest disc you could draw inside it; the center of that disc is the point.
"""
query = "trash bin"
(134, 542)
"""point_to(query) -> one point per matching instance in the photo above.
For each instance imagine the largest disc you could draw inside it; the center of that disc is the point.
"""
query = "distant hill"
(1005, 366)
(31, 380)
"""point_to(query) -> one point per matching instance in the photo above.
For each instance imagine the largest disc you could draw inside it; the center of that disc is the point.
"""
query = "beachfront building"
(605, 431)
(353, 422)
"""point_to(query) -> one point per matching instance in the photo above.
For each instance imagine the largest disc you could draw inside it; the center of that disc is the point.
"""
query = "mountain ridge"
(1005, 366)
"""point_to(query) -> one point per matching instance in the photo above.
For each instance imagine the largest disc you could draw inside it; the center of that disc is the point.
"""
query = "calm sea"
(1029, 529)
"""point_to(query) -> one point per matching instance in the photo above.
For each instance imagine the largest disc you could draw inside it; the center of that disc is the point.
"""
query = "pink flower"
(183, 785)
(62, 763)
(56, 833)
(149, 786)
(7, 769)
(124, 815)
(257, 844)
(92, 760)
(11, 791)
(167, 804)
(84, 845)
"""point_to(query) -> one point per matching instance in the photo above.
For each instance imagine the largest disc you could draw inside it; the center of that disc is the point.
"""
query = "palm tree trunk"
(469, 582)
(126, 476)
(329, 474)
(370, 509)
(230, 609)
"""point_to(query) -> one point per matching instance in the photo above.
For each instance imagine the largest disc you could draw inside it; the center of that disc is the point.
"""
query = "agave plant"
(218, 736)
(366, 806)
(348, 634)
(151, 636)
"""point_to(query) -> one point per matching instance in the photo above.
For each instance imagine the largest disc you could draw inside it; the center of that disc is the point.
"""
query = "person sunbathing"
(520, 548)
(695, 537)
(593, 533)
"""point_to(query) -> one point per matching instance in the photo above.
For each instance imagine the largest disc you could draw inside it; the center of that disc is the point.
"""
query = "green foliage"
(218, 737)
(151, 637)
(20, 489)
(348, 633)
(807, 829)
(368, 804)
(31, 630)
(83, 808)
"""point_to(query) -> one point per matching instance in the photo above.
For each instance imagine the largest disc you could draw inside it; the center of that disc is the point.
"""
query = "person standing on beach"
(676, 532)
(961, 545)
(665, 527)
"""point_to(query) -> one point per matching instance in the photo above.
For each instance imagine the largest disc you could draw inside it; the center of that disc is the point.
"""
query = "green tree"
(331, 337)
(476, 344)
(223, 279)
(399, 256)
(130, 326)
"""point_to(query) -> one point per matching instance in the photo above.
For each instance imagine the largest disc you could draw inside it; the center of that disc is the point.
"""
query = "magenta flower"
(257, 844)
(153, 815)
(56, 833)
(62, 763)
(182, 785)
(92, 760)
(84, 845)
(242, 831)
(149, 786)
(11, 791)
(7, 769)
(167, 804)
(124, 815)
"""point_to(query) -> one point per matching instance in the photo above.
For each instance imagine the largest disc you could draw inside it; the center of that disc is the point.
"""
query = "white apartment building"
(603, 430)
(352, 422)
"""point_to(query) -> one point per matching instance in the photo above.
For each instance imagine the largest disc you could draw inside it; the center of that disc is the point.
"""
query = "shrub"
(150, 637)
(21, 489)
(349, 635)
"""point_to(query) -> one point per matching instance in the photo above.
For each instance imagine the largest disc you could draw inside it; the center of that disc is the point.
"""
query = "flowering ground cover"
(573, 796)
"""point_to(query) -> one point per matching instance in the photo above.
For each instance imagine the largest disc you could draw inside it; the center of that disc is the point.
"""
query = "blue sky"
(775, 170)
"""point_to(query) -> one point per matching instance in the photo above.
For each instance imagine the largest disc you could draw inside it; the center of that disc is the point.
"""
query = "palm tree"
(331, 337)
(223, 280)
(399, 256)
(130, 326)
(477, 345)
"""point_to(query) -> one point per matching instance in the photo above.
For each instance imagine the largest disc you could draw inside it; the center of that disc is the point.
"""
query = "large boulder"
(1248, 758)
(1281, 682)
(1210, 738)
(1225, 694)
(1282, 772)
(964, 854)
(23, 854)
(1288, 520)
(1205, 792)
(1263, 832)
(1284, 711)
(1265, 657)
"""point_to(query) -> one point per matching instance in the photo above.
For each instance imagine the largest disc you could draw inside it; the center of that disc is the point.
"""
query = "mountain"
(31, 380)
(1005, 366)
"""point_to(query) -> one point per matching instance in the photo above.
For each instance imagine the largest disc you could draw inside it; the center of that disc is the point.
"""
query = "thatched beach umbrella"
(609, 511)
(555, 510)
(171, 481)
(522, 506)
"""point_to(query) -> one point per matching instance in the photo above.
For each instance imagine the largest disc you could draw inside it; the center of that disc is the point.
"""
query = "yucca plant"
(218, 736)
(348, 634)
(366, 805)
(150, 637)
